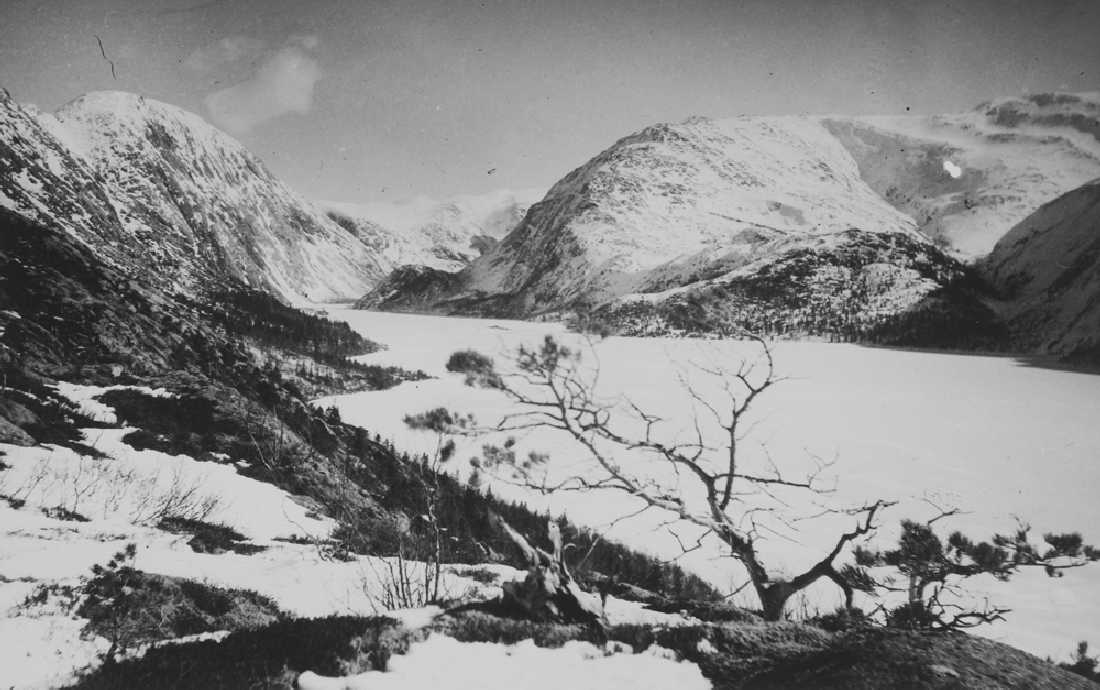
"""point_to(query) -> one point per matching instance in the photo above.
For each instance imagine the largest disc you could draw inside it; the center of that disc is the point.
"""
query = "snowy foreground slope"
(43, 644)
(813, 221)
(987, 435)
(443, 662)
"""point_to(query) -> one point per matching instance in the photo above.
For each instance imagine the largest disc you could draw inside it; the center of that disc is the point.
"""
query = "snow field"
(43, 646)
(442, 662)
(993, 437)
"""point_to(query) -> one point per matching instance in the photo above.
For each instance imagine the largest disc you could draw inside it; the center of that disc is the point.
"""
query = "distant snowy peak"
(441, 234)
(485, 210)
(1079, 111)
(967, 178)
(157, 190)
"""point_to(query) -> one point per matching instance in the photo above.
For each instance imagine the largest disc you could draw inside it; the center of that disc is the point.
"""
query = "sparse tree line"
(932, 570)
(933, 323)
(258, 315)
(953, 316)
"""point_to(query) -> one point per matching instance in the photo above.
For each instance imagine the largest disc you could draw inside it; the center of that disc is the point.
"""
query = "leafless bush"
(89, 483)
(402, 584)
(183, 499)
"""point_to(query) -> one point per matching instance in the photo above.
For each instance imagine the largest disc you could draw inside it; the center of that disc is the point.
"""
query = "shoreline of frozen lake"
(990, 435)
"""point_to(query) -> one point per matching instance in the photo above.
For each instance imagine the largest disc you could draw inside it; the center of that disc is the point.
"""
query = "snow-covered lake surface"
(988, 435)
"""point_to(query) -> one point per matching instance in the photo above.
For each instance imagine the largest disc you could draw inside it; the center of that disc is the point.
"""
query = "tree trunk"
(549, 591)
(773, 599)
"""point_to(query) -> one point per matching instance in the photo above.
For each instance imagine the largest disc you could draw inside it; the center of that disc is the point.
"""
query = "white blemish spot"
(952, 169)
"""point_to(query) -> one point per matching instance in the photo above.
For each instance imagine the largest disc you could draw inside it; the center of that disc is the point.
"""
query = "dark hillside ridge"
(1047, 272)
(67, 315)
(1037, 293)
(736, 656)
(834, 292)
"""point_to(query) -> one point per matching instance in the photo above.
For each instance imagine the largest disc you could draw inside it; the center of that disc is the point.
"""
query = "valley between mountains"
(235, 450)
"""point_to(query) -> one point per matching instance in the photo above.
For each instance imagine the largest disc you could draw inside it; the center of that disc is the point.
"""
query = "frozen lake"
(988, 435)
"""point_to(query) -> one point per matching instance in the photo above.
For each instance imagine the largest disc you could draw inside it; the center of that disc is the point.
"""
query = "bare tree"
(549, 590)
(724, 498)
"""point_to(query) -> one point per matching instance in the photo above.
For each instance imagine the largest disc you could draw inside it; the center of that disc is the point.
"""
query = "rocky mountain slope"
(1047, 272)
(156, 189)
(445, 235)
(787, 224)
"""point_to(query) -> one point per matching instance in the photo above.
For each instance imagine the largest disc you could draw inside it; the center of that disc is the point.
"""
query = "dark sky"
(357, 100)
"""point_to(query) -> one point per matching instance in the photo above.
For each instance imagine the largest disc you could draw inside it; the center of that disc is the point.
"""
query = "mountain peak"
(115, 119)
(153, 187)
(812, 213)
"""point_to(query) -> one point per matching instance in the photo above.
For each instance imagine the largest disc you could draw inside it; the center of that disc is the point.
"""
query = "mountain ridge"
(180, 197)
(814, 225)
(154, 187)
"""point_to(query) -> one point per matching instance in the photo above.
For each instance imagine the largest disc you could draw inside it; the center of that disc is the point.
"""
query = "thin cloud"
(222, 53)
(282, 84)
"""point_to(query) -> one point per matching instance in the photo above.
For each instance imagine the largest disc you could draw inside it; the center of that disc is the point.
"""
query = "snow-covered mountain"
(158, 190)
(445, 235)
(1048, 270)
(967, 178)
(792, 219)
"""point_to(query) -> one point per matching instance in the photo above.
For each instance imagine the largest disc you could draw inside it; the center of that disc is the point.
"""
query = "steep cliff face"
(1047, 270)
(158, 189)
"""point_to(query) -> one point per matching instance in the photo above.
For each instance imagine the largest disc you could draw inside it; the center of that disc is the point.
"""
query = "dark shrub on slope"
(271, 657)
